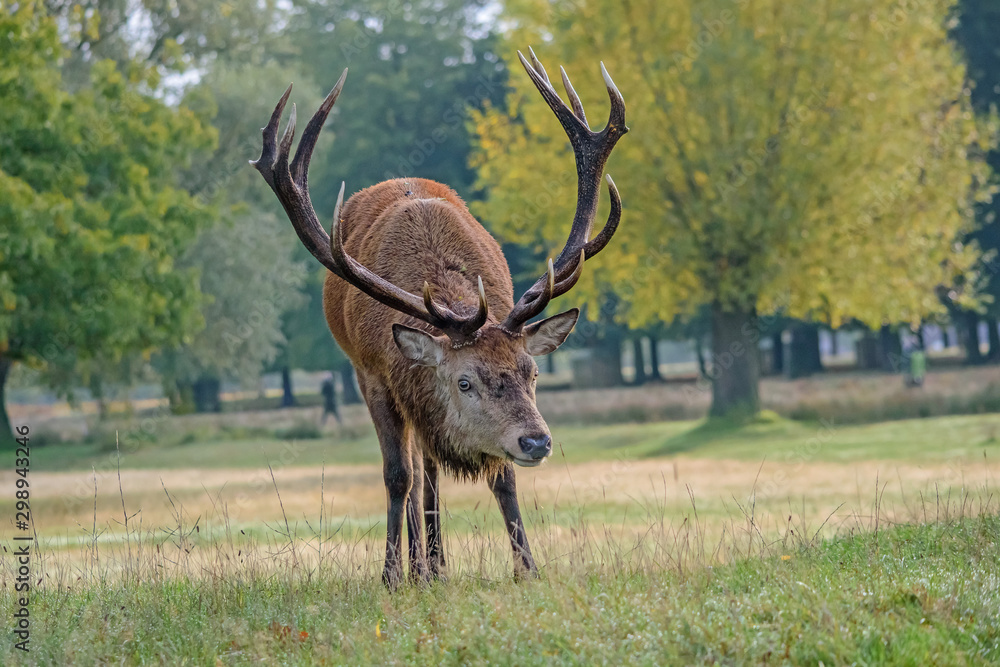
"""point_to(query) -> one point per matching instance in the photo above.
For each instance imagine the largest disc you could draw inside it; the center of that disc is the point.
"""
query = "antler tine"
(617, 116)
(429, 303)
(285, 145)
(562, 284)
(265, 163)
(300, 165)
(479, 319)
(573, 97)
(337, 234)
(446, 320)
(596, 244)
(537, 64)
(536, 306)
(339, 205)
(567, 283)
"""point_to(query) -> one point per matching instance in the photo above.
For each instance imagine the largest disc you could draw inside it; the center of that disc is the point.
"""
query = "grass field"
(927, 595)
(775, 542)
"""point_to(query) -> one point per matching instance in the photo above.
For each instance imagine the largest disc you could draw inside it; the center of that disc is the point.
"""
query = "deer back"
(411, 231)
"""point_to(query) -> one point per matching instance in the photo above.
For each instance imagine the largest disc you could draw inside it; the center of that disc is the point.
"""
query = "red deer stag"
(447, 382)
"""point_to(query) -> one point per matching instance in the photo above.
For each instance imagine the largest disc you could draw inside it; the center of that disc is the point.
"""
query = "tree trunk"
(603, 367)
(778, 353)
(735, 364)
(609, 358)
(804, 356)
(993, 336)
(654, 359)
(890, 350)
(287, 395)
(638, 361)
(970, 337)
(834, 345)
(181, 397)
(351, 394)
(921, 342)
(206, 394)
(945, 337)
(7, 439)
(97, 393)
(550, 364)
(867, 351)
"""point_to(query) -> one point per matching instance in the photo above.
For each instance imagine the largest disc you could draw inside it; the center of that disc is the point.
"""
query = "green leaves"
(414, 70)
(92, 215)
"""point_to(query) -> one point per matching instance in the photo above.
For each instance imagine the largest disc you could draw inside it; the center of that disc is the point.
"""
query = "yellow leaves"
(752, 164)
(138, 242)
(172, 50)
(89, 24)
(138, 173)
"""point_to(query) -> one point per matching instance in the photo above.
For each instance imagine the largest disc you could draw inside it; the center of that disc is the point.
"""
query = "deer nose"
(535, 446)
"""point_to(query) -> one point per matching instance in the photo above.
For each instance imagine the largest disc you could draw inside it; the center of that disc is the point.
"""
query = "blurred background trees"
(813, 158)
(415, 70)
(92, 215)
(976, 32)
(794, 170)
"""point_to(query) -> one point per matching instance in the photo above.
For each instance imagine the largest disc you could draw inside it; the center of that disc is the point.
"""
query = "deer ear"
(545, 336)
(417, 346)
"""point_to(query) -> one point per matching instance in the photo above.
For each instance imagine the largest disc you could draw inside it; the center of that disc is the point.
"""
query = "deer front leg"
(397, 471)
(432, 518)
(504, 489)
(414, 520)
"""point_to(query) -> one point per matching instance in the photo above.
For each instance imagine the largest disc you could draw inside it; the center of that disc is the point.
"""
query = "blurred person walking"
(329, 392)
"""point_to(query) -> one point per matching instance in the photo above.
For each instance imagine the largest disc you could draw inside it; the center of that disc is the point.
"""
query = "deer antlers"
(591, 150)
(290, 184)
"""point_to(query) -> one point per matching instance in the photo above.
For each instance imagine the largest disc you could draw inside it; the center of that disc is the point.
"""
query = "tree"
(415, 68)
(812, 157)
(246, 261)
(247, 273)
(164, 36)
(803, 350)
(976, 31)
(91, 213)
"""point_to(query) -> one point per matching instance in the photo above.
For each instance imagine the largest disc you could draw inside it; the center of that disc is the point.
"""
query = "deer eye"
(464, 385)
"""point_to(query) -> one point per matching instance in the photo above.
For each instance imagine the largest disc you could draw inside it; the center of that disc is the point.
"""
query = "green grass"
(252, 452)
(934, 439)
(910, 595)
(611, 591)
